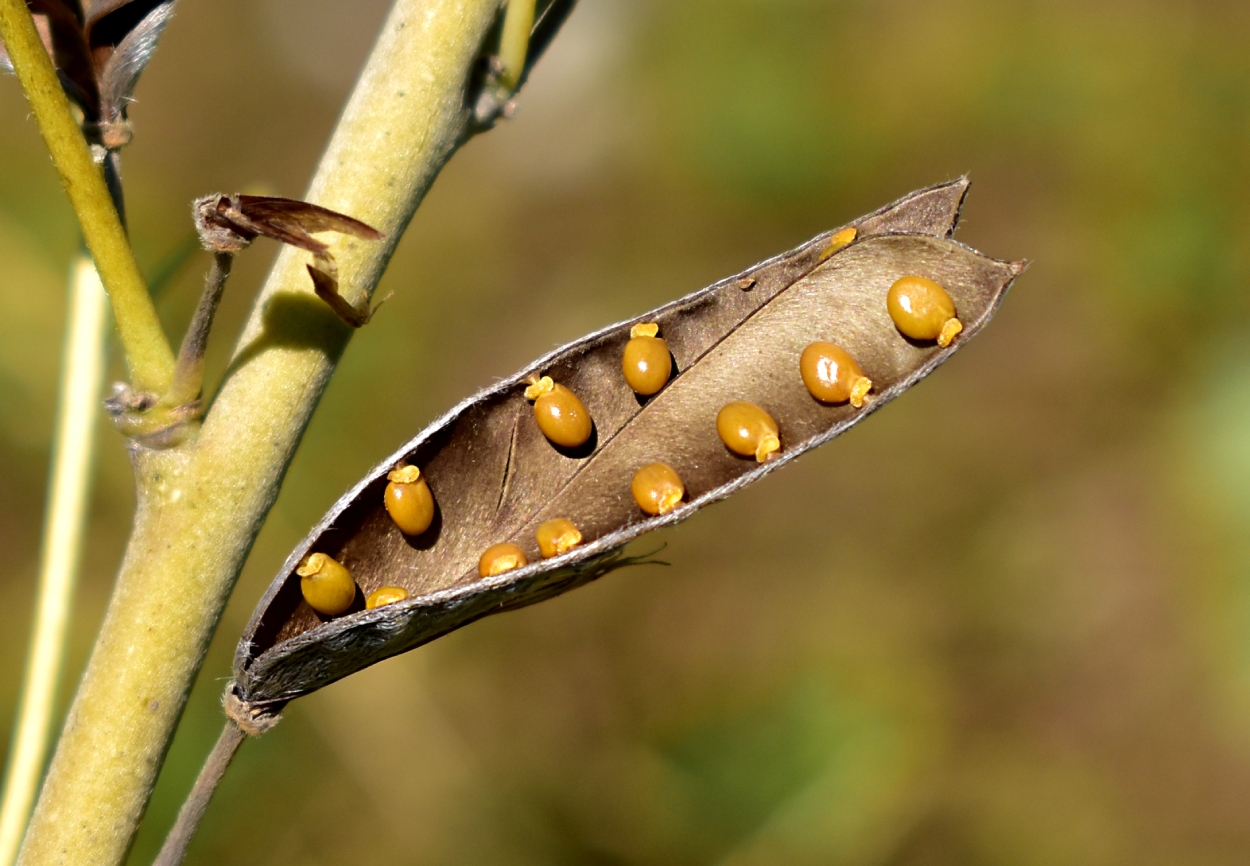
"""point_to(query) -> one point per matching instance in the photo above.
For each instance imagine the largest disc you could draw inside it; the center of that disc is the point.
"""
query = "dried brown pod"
(500, 479)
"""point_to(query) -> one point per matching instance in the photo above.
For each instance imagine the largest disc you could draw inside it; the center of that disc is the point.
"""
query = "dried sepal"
(499, 479)
(229, 223)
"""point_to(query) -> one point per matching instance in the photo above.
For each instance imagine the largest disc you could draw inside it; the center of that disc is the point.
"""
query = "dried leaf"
(228, 223)
(495, 477)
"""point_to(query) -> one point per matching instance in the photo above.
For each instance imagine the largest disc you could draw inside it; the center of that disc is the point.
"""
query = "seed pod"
(498, 477)
(560, 415)
(385, 595)
(647, 364)
(748, 430)
(327, 586)
(832, 376)
(922, 310)
(409, 500)
(657, 488)
(556, 537)
(499, 558)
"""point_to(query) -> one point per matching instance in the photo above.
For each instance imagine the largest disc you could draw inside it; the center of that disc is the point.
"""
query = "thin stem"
(189, 372)
(179, 838)
(514, 41)
(82, 378)
(148, 354)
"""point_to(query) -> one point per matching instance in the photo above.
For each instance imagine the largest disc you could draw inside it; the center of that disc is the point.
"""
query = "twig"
(514, 42)
(148, 354)
(179, 838)
(189, 372)
(82, 378)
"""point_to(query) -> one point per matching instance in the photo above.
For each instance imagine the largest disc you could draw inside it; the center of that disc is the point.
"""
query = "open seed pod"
(496, 478)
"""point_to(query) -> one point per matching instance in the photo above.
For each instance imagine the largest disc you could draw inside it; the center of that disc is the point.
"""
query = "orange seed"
(832, 376)
(657, 488)
(922, 310)
(560, 415)
(499, 558)
(408, 500)
(839, 240)
(385, 595)
(557, 536)
(327, 586)
(646, 363)
(748, 430)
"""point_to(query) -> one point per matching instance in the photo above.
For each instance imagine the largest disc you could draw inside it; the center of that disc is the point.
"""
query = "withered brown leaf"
(496, 478)
(229, 223)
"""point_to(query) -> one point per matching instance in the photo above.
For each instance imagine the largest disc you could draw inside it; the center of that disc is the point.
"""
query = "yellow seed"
(748, 430)
(499, 558)
(327, 586)
(557, 536)
(922, 310)
(832, 376)
(646, 364)
(838, 241)
(560, 415)
(657, 488)
(408, 500)
(385, 595)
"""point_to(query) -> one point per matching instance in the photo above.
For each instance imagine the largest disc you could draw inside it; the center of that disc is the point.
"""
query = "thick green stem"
(201, 505)
(82, 380)
(148, 354)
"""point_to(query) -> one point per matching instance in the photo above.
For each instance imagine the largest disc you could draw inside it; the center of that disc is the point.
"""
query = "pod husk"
(495, 478)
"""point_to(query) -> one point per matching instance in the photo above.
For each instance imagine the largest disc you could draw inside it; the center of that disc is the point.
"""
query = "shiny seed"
(748, 430)
(557, 536)
(646, 364)
(560, 415)
(385, 595)
(408, 500)
(922, 310)
(499, 558)
(832, 376)
(839, 240)
(327, 586)
(657, 488)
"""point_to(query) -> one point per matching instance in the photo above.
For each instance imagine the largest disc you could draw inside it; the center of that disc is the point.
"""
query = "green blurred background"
(1006, 622)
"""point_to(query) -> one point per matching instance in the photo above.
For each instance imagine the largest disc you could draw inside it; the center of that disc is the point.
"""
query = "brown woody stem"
(196, 804)
(189, 371)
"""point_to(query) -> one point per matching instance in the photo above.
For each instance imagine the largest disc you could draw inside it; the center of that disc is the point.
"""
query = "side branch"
(148, 354)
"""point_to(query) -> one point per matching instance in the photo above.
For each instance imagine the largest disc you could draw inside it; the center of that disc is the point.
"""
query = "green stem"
(200, 505)
(148, 354)
(514, 41)
(82, 379)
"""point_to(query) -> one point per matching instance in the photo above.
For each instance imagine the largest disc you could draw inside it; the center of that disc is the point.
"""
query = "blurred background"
(1006, 622)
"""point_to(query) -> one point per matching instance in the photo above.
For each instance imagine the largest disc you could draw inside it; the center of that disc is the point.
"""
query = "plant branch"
(189, 372)
(176, 843)
(201, 504)
(82, 378)
(147, 351)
